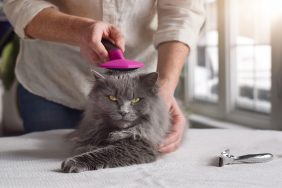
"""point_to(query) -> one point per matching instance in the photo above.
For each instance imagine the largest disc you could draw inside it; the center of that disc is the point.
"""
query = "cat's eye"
(135, 100)
(112, 98)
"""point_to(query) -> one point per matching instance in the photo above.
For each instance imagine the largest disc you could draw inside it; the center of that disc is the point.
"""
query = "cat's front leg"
(81, 163)
(83, 149)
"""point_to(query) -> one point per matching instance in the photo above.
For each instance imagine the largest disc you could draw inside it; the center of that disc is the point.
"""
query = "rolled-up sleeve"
(21, 12)
(179, 20)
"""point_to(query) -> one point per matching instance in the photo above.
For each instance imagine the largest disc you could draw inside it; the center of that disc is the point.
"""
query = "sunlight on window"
(275, 9)
(251, 52)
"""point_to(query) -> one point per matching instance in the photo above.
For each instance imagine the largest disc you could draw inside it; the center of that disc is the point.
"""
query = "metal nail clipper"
(226, 158)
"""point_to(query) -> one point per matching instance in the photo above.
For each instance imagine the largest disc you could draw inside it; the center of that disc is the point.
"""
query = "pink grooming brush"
(117, 60)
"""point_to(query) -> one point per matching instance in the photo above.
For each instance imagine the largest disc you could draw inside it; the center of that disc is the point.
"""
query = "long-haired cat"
(124, 122)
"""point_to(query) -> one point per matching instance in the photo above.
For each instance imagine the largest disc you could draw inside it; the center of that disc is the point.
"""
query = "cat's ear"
(150, 80)
(98, 76)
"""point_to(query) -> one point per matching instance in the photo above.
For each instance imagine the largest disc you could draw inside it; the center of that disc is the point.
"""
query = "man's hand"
(52, 25)
(172, 56)
(174, 138)
(90, 41)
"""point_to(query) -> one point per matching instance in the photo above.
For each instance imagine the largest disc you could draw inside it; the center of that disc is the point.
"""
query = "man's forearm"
(53, 25)
(171, 58)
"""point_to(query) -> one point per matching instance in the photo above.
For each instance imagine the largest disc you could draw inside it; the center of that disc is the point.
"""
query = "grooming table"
(33, 160)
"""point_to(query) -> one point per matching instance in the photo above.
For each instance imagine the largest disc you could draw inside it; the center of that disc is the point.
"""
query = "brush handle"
(254, 158)
(109, 45)
(114, 52)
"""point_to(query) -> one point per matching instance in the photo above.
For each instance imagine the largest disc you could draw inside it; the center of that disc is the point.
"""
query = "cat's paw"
(71, 165)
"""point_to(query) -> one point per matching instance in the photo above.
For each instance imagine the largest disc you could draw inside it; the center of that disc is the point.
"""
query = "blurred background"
(231, 80)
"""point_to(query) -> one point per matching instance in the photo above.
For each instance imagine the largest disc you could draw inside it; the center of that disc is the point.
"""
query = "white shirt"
(58, 73)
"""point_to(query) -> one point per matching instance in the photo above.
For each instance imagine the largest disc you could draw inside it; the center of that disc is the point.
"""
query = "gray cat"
(124, 122)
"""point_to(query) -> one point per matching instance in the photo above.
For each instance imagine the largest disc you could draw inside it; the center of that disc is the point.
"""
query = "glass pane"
(206, 74)
(251, 52)
(206, 69)
(251, 21)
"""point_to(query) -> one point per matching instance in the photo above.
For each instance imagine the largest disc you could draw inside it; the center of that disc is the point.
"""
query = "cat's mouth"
(123, 121)
(125, 118)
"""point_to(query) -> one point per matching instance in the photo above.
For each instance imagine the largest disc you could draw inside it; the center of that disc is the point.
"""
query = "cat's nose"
(123, 113)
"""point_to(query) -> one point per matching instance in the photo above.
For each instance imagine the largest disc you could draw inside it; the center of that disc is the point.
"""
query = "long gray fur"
(105, 138)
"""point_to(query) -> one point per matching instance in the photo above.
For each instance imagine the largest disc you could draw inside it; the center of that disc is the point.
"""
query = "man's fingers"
(173, 140)
(172, 137)
(90, 55)
(92, 37)
(171, 147)
(175, 110)
(120, 44)
(90, 40)
(97, 45)
(100, 50)
(178, 119)
(116, 35)
(94, 58)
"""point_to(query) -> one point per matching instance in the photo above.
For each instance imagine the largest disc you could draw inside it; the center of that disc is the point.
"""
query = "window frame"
(225, 109)
(276, 72)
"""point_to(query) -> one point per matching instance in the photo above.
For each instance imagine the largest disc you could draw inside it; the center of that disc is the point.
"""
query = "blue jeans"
(39, 114)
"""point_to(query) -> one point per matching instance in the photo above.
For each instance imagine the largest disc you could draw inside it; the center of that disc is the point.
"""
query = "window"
(232, 73)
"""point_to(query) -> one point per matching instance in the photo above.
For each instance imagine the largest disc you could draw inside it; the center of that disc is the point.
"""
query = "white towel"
(33, 160)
